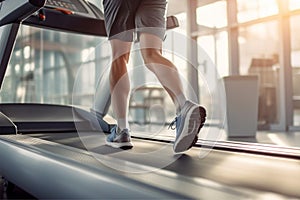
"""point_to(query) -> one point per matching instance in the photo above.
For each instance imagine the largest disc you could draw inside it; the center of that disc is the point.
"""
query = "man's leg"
(119, 17)
(190, 116)
(119, 81)
(120, 88)
(164, 70)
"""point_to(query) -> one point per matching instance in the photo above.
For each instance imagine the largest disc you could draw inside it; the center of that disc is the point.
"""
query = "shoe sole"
(190, 131)
(120, 145)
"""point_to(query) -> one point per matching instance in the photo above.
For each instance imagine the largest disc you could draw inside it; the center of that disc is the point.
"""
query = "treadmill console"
(77, 16)
(71, 5)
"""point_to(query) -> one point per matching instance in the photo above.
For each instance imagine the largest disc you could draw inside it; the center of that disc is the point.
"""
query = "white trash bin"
(241, 105)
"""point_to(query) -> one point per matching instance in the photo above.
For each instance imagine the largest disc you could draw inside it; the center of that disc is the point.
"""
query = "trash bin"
(241, 105)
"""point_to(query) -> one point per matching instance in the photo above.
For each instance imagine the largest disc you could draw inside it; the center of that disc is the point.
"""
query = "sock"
(180, 102)
(122, 123)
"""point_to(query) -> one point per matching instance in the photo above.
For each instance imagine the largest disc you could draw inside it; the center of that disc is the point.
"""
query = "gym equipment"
(42, 152)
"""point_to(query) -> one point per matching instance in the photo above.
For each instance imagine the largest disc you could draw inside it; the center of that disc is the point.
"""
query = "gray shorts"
(124, 17)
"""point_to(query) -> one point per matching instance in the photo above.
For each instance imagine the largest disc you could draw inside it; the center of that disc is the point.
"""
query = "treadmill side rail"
(6, 125)
(67, 177)
(7, 41)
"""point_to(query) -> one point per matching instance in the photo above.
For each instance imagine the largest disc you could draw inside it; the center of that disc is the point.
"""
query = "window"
(259, 50)
(255, 9)
(294, 4)
(250, 40)
(295, 41)
(45, 65)
(295, 61)
(212, 15)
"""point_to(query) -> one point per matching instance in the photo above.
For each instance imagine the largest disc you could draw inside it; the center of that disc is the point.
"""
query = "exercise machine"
(55, 151)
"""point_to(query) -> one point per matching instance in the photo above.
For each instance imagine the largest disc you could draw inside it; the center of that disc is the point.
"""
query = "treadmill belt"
(265, 173)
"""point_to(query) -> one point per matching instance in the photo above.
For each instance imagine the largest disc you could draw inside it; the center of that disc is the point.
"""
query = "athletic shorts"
(124, 17)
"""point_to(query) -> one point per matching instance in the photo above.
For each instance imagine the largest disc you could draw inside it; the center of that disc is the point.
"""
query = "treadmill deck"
(228, 174)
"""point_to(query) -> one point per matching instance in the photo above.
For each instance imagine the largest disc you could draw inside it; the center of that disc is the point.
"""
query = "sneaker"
(188, 124)
(119, 140)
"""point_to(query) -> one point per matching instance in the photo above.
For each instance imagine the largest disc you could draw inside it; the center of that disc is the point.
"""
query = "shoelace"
(173, 124)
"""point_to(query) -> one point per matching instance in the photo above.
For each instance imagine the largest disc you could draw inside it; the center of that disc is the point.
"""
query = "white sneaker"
(119, 140)
(188, 124)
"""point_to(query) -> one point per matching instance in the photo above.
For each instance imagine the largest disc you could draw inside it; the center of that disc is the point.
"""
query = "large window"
(255, 41)
(295, 61)
(45, 65)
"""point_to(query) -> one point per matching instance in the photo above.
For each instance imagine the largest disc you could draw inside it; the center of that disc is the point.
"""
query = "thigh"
(151, 17)
(120, 48)
(150, 41)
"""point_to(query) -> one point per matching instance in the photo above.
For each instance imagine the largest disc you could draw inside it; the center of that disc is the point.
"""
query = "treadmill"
(57, 151)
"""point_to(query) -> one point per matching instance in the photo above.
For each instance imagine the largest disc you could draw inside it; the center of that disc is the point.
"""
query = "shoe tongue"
(119, 131)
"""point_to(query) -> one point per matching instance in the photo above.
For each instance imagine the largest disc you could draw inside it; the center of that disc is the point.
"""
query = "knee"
(150, 57)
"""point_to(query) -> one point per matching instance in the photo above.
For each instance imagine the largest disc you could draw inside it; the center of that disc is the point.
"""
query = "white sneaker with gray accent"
(119, 140)
(188, 124)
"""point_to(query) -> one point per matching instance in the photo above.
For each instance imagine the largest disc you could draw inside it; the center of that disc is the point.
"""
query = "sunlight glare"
(250, 10)
(294, 4)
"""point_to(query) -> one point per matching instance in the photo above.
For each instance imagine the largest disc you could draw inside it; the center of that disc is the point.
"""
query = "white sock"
(122, 123)
(180, 101)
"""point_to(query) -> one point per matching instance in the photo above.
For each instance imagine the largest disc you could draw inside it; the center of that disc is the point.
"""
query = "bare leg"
(190, 116)
(119, 81)
(164, 69)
